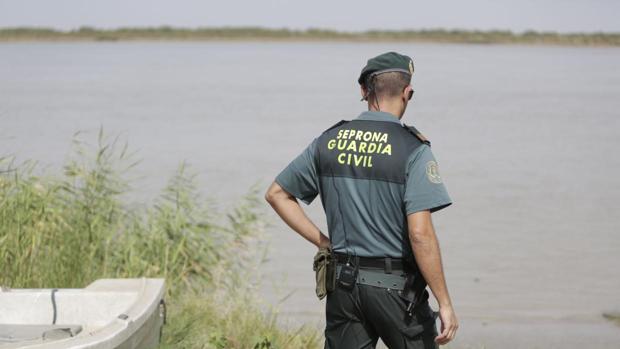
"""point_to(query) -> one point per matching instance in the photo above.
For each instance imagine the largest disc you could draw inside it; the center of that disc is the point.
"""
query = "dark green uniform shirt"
(371, 173)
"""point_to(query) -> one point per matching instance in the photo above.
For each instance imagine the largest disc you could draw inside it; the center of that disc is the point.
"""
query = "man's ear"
(364, 93)
(406, 92)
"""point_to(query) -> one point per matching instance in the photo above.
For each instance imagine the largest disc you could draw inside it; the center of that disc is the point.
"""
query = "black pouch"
(414, 292)
(348, 276)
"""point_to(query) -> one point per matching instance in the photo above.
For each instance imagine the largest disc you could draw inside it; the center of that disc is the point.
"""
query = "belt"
(388, 264)
(378, 278)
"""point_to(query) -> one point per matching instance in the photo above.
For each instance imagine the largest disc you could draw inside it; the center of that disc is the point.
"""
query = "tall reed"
(70, 229)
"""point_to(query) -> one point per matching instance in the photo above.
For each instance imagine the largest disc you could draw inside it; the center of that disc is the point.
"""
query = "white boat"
(109, 313)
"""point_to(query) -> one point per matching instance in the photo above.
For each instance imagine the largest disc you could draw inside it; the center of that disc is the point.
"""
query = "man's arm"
(290, 211)
(428, 257)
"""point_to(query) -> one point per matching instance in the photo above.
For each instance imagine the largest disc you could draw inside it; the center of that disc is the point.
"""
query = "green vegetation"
(613, 317)
(71, 229)
(257, 33)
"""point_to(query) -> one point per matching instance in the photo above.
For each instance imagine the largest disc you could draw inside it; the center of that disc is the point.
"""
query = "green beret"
(385, 63)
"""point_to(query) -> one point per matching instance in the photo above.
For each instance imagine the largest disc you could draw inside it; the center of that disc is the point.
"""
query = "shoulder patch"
(432, 172)
(341, 122)
(414, 131)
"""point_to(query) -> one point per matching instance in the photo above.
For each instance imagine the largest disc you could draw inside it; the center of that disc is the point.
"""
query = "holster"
(414, 292)
(324, 267)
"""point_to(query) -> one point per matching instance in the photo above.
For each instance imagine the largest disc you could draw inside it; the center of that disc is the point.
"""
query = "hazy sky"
(516, 15)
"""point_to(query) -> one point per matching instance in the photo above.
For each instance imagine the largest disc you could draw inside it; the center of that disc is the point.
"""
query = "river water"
(527, 138)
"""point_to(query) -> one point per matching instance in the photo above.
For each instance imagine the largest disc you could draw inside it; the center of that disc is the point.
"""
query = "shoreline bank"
(88, 34)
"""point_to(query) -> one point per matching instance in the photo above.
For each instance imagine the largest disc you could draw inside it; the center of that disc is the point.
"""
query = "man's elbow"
(421, 235)
(274, 193)
(270, 197)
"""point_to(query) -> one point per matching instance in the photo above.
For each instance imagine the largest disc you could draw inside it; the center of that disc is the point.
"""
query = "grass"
(258, 33)
(613, 317)
(69, 229)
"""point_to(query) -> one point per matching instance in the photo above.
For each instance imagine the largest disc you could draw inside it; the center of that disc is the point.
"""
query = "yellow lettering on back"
(387, 150)
(362, 147)
(341, 158)
(331, 144)
(358, 159)
(352, 146)
(342, 143)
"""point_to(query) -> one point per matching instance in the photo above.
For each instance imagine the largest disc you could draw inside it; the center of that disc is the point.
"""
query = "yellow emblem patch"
(432, 172)
(410, 67)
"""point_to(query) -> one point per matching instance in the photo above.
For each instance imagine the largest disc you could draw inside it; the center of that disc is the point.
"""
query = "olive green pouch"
(325, 271)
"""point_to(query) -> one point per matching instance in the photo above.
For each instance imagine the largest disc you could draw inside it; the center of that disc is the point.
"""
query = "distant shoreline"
(264, 34)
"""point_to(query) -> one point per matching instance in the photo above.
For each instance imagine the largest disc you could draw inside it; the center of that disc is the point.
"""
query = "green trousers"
(356, 319)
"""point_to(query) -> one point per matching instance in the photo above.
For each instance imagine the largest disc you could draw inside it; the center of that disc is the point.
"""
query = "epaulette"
(414, 131)
(341, 122)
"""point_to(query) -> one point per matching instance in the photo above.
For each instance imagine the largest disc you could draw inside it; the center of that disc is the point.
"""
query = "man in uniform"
(379, 184)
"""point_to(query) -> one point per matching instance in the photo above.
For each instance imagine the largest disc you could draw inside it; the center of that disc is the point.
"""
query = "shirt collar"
(378, 116)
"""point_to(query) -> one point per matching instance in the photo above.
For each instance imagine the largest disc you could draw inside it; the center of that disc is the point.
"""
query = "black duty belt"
(378, 278)
(387, 264)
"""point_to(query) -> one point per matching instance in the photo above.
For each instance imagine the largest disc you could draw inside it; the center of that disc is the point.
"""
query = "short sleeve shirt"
(424, 188)
(300, 177)
(368, 214)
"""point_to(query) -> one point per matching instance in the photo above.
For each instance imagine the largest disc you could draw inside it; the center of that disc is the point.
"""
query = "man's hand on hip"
(287, 207)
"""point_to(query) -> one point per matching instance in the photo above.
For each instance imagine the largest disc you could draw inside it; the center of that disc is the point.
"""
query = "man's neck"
(387, 109)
